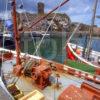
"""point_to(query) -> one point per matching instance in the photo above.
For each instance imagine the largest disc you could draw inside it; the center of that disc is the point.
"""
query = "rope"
(89, 46)
(44, 35)
(74, 30)
(38, 46)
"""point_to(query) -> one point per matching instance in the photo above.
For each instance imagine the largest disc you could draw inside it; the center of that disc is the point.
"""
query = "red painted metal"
(86, 92)
(69, 54)
(71, 71)
(16, 35)
(72, 93)
(97, 71)
(17, 69)
(7, 56)
(40, 75)
(79, 74)
(91, 91)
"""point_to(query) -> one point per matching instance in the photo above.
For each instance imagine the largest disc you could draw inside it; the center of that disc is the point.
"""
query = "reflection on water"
(82, 42)
(52, 48)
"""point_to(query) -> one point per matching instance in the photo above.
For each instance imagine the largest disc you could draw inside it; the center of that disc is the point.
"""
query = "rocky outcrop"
(84, 29)
(61, 22)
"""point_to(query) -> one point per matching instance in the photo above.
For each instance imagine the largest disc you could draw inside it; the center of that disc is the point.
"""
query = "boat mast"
(16, 35)
(91, 30)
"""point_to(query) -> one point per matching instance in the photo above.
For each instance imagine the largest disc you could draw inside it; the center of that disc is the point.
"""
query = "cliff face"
(84, 29)
(60, 23)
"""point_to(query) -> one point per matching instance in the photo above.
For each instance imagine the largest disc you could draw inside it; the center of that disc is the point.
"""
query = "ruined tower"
(40, 8)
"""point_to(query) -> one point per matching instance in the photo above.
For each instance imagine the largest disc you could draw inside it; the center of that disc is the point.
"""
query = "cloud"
(87, 9)
(78, 10)
(81, 18)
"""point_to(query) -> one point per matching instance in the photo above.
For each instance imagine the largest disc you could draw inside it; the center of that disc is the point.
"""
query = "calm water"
(53, 47)
(95, 42)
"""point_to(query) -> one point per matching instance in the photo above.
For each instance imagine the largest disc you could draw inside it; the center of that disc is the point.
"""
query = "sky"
(78, 10)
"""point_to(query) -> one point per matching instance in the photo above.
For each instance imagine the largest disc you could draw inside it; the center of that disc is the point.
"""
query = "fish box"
(15, 92)
(34, 95)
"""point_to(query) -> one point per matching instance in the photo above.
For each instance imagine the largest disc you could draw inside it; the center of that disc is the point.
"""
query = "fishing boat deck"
(3, 94)
(26, 85)
(97, 86)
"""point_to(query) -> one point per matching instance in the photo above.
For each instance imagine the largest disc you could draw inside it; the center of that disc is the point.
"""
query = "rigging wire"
(91, 31)
(75, 30)
(38, 46)
(28, 24)
(73, 33)
(3, 36)
(89, 46)
(43, 36)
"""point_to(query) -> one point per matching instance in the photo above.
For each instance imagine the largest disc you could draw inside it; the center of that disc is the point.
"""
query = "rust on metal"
(91, 91)
(72, 93)
(16, 35)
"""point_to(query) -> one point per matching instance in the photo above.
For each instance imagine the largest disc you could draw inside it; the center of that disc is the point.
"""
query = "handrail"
(80, 58)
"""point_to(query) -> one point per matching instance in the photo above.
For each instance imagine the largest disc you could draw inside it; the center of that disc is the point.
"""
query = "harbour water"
(95, 42)
(52, 47)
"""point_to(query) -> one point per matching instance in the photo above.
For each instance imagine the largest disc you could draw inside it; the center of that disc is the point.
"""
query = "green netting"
(81, 66)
